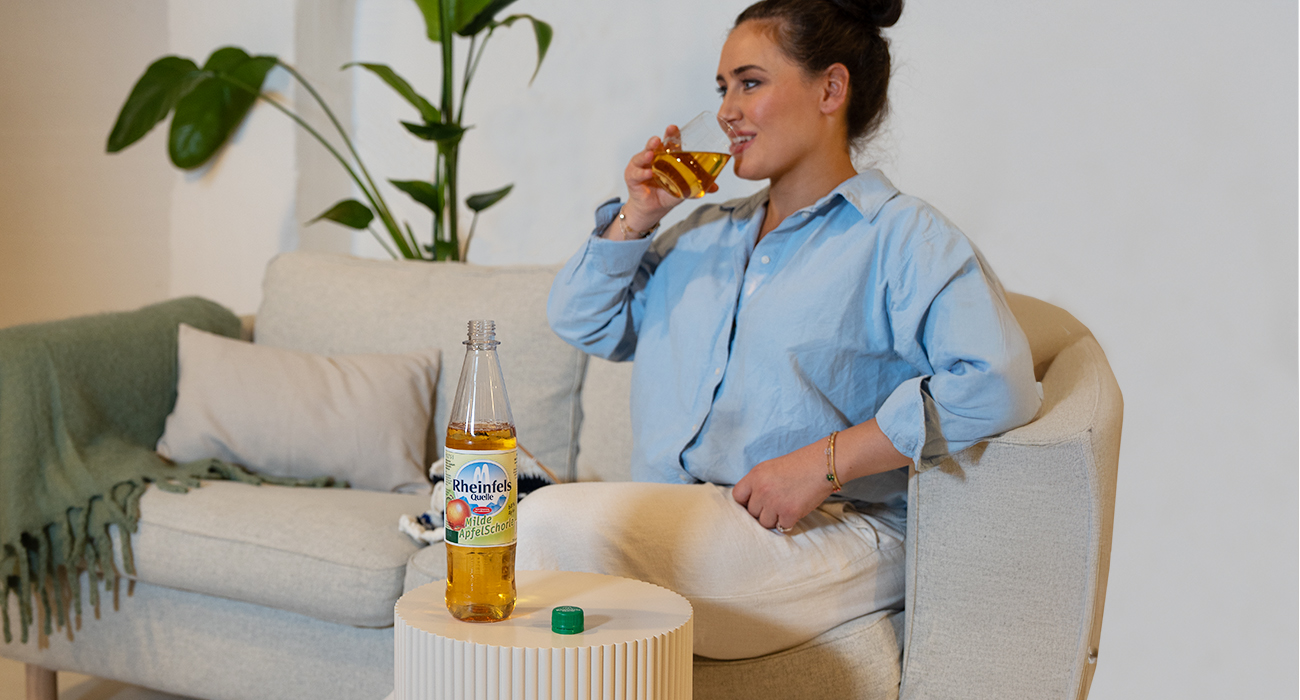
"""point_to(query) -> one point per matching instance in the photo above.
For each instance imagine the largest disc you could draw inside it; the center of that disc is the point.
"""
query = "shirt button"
(717, 370)
(766, 260)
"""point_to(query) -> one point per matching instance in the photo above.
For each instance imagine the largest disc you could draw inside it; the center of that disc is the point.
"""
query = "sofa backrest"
(605, 436)
(572, 411)
(1050, 329)
(335, 304)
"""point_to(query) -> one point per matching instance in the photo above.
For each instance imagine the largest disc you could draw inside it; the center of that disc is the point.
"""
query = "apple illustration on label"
(457, 512)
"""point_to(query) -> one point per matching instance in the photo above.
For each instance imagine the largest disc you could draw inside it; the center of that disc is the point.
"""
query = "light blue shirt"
(869, 303)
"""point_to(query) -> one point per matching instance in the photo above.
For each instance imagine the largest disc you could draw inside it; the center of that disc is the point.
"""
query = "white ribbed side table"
(637, 644)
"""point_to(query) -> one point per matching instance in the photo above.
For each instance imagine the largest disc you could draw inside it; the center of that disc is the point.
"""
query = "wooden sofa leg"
(42, 683)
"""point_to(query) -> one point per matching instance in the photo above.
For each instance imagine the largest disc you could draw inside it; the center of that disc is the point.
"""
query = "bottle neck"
(481, 395)
(482, 335)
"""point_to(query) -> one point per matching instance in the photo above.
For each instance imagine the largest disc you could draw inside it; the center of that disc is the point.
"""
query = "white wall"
(230, 217)
(80, 231)
(1137, 166)
(1134, 164)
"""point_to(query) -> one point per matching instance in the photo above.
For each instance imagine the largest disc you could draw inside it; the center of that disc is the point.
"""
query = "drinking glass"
(688, 164)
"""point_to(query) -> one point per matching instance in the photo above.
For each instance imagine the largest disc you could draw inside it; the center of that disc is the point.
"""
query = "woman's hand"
(780, 491)
(647, 203)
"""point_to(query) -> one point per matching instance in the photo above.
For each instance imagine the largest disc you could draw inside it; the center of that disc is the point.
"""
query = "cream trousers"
(754, 591)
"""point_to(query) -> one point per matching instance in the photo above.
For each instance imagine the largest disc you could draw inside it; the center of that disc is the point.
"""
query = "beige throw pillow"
(360, 418)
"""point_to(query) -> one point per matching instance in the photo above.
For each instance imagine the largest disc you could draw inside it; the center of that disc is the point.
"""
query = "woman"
(826, 331)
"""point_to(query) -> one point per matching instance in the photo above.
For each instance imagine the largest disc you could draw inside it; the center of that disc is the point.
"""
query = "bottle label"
(481, 487)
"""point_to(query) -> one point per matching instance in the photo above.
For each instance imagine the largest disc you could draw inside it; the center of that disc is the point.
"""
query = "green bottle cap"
(566, 619)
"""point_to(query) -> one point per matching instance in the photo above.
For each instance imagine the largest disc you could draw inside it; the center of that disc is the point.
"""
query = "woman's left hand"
(780, 491)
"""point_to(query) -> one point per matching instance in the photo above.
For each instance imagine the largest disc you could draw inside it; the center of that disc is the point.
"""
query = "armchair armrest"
(1009, 548)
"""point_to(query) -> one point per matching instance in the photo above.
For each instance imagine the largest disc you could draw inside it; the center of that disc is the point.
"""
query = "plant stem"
(471, 67)
(453, 210)
(333, 151)
(380, 204)
(414, 243)
(445, 34)
(437, 185)
(469, 236)
(445, 38)
(382, 244)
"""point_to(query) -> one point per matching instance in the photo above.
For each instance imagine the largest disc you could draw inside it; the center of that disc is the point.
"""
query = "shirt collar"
(867, 192)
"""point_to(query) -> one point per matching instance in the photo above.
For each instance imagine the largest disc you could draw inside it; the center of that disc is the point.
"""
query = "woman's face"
(769, 100)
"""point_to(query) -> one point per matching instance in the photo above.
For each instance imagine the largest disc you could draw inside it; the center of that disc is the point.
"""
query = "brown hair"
(819, 33)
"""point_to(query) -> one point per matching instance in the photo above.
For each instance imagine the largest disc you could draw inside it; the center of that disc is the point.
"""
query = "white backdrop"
(1134, 163)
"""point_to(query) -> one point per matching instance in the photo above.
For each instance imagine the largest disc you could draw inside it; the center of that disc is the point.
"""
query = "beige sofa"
(261, 592)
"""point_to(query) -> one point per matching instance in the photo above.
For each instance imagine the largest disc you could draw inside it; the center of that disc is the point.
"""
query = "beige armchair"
(1008, 549)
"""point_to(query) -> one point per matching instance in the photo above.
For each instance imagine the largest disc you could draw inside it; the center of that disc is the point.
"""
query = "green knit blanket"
(82, 405)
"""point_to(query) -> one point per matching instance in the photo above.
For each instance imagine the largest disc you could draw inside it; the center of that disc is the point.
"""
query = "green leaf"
(348, 212)
(462, 13)
(483, 200)
(151, 100)
(225, 59)
(484, 18)
(445, 250)
(252, 73)
(542, 31)
(423, 192)
(207, 116)
(198, 129)
(442, 133)
(427, 111)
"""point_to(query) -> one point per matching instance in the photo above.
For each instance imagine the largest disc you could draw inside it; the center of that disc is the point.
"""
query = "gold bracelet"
(629, 233)
(831, 475)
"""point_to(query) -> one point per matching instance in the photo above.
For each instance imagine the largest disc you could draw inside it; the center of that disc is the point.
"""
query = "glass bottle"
(481, 486)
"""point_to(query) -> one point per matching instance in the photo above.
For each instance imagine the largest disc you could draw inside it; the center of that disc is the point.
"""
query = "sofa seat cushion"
(861, 658)
(426, 566)
(332, 554)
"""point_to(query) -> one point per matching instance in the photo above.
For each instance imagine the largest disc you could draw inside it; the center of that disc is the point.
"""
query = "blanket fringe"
(29, 568)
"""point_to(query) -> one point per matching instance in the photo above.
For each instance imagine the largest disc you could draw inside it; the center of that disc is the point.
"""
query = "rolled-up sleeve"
(594, 303)
(950, 319)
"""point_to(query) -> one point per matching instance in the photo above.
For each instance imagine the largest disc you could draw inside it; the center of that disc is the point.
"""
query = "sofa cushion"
(606, 413)
(336, 304)
(426, 566)
(359, 418)
(332, 554)
(858, 659)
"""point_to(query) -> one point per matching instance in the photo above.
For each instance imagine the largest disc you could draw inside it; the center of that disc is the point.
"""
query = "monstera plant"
(208, 103)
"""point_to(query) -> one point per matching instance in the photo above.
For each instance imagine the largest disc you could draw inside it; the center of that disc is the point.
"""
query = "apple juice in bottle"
(481, 485)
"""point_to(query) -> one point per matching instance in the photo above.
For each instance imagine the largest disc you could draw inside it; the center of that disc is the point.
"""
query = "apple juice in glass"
(481, 485)
(688, 164)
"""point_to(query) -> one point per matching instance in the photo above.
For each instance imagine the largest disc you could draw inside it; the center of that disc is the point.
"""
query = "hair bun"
(877, 13)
